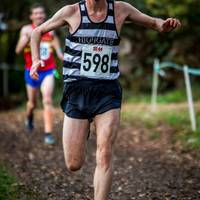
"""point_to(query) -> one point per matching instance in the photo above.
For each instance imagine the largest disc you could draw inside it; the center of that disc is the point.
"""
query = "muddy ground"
(145, 168)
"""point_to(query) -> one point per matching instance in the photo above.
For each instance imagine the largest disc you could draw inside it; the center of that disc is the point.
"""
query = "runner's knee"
(31, 104)
(47, 101)
(74, 161)
(73, 164)
(104, 155)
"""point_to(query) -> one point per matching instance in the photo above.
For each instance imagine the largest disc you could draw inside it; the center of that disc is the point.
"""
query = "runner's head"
(37, 14)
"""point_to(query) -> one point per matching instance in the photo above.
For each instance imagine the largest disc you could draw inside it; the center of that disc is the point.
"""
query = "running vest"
(46, 52)
(92, 50)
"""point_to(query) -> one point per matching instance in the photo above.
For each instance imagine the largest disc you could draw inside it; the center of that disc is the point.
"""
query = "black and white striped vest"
(92, 50)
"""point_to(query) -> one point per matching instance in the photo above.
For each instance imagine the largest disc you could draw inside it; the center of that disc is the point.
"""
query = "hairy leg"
(75, 133)
(106, 129)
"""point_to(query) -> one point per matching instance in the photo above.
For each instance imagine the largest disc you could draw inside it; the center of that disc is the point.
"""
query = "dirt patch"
(145, 169)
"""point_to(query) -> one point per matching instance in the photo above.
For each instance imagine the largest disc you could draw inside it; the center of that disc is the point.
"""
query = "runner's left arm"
(157, 24)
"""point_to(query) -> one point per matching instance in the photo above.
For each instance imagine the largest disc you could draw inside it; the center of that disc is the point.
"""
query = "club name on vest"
(96, 40)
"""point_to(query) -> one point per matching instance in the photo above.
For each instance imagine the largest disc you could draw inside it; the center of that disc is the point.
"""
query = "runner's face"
(38, 16)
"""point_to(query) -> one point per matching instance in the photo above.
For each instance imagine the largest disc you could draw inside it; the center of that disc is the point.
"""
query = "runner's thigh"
(47, 85)
(107, 125)
(75, 132)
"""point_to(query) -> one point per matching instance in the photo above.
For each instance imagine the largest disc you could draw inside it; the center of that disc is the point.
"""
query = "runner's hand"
(61, 56)
(33, 73)
(168, 25)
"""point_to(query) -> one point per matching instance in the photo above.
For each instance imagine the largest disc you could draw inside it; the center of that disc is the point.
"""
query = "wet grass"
(190, 141)
(7, 191)
(177, 119)
(172, 96)
(11, 189)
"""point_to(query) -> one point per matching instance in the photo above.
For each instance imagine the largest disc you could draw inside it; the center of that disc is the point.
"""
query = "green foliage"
(178, 46)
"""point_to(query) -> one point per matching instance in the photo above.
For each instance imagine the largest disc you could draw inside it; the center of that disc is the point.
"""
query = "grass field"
(175, 116)
(172, 96)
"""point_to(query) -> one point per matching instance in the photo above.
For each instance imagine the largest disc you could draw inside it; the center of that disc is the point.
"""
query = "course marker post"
(190, 99)
(156, 66)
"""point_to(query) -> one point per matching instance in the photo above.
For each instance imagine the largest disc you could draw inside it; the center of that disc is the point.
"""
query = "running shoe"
(29, 123)
(49, 139)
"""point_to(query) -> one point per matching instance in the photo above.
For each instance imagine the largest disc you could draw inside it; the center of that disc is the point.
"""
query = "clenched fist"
(34, 68)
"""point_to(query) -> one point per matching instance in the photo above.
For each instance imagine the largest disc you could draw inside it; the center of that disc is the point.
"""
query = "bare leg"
(106, 129)
(47, 88)
(32, 100)
(74, 142)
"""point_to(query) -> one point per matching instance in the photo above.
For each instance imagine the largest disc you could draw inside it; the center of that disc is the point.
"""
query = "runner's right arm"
(58, 20)
(57, 47)
(24, 39)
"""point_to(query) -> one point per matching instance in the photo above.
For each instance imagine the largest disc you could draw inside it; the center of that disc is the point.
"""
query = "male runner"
(91, 87)
(49, 42)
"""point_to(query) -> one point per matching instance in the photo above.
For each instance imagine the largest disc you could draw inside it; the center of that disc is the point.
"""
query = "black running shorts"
(84, 99)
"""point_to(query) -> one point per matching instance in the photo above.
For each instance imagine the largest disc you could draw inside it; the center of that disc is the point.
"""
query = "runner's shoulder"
(26, 28)
(70, 10)
(123, 8)
(122, 5)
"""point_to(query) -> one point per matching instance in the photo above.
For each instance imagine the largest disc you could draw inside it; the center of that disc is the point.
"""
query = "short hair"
(36, 5)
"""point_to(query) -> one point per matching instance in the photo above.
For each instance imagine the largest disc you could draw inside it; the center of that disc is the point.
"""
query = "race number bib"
(96, 61)
(44, 50)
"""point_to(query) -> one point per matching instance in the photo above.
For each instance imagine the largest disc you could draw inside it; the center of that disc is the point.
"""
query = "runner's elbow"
(37, 32)
(17, 51)
(19, 48)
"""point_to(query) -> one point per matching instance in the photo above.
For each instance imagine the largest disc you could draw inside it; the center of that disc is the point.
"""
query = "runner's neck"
(96, 5)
